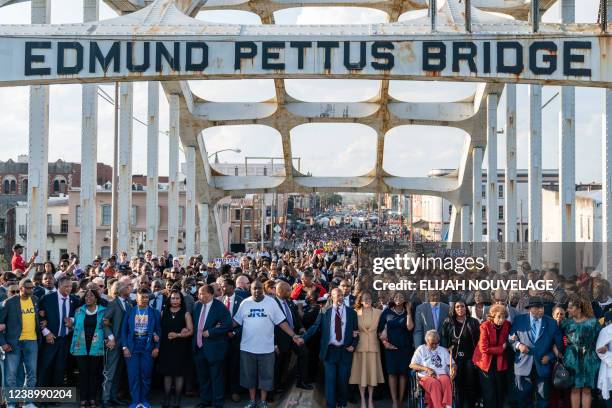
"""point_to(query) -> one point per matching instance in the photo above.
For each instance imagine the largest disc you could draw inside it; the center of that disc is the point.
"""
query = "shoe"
(236, 397)
(251, 404)
(263, 404)
(304, 386)
(10, 406)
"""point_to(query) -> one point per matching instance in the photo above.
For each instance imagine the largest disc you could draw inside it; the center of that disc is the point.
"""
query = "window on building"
(24, 186)
(236, 171)
(62, 252)
(2, 225)
(450, 209)
(484, 212)
(64, 227)
(49, 220)
(105, 252)
(248, 214)
(265, 171)
(13, 187)
(77, 216)
(237, 214)
(6, 187)
(134, 215)
(484, 191)
(48, 255)
(500, 191)
(484, 231)
(500, 212)
(56, 186)
(246, 233)
(181, 216)
(106, 214)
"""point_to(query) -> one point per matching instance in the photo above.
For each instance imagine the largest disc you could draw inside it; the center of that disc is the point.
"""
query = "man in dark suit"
(212, 322)
(285, 344)
(114, 362)
(21, 336)
(429, 316)
(533, 336)
(349, 298)
(231, 300)
(56, 311)
(339, 337)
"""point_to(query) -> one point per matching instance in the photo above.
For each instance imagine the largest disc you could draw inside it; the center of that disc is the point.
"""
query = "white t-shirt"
(438, 360)
(258, 320)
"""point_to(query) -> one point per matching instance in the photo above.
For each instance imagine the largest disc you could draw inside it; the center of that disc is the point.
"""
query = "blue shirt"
(435, 310)
(538, 327)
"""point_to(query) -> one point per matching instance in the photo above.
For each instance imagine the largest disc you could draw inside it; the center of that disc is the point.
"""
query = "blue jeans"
(24, 354)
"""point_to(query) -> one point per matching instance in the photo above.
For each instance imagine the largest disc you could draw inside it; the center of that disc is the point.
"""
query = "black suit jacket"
(48, 309)
(282, 339)
(10, 315)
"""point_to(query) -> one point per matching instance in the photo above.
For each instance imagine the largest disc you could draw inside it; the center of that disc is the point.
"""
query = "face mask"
(193, 290)
(205, 274)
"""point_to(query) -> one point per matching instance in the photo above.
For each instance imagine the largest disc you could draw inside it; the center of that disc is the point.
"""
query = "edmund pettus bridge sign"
(138, 47)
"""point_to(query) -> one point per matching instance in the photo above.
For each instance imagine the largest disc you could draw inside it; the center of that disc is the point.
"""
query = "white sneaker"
(29, 405)
(10, 406)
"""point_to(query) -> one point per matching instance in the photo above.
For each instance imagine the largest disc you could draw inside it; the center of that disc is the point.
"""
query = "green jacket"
(79, 346)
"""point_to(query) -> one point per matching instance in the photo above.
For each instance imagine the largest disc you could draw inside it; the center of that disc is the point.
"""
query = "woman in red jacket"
(490, 356)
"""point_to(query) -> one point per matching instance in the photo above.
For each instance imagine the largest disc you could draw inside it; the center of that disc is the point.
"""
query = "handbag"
(562, 378)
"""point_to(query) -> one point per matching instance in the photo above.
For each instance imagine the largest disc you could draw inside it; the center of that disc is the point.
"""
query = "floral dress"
(580, 357)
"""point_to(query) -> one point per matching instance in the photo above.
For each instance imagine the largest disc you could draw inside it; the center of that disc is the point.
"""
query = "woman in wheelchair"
(435, 370)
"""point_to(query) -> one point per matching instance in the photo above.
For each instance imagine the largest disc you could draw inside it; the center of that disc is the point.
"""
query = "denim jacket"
(79, 346)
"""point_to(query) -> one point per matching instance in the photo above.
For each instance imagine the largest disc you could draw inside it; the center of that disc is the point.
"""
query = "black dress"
(173, 353)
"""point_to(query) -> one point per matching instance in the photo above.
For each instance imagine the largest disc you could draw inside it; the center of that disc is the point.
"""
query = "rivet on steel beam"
(603, 15)
(534, 15)
(433, 9)
(468, 16)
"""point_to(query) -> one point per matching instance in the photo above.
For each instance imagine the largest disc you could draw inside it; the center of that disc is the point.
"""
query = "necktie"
(201, 325)
(534, 330)
(338, 325)
(435, 317)
(62, 317)
(290, 317)
(121, 302)
(227, 302)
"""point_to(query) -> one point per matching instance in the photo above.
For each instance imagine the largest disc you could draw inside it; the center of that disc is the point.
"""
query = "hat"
(535, 302)
(17, 246)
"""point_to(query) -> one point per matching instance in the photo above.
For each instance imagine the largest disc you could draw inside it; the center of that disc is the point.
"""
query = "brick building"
(14, 187)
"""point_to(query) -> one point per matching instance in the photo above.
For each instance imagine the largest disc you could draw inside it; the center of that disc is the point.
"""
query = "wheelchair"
(416, 393)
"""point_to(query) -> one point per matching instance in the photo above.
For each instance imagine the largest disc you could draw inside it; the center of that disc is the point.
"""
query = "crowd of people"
(117, 328)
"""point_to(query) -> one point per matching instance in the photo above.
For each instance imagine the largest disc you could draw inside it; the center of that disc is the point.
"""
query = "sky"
(324, 149)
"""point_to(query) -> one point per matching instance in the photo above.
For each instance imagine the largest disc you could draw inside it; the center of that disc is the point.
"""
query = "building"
(274, 167)
(431, 215)
(14, 187)
(137, 219)
(588, 237)
(57, 227)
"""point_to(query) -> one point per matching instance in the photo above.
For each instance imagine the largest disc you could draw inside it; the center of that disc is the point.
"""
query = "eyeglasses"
(13, 292)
